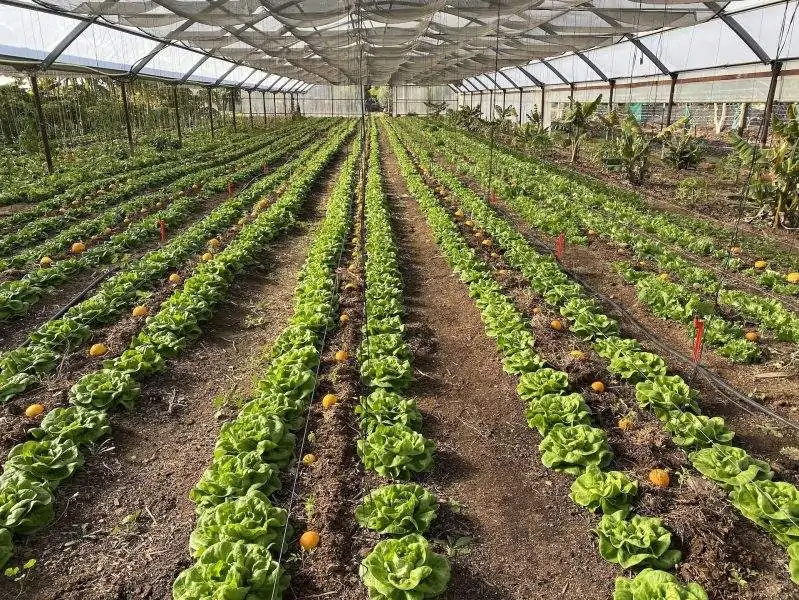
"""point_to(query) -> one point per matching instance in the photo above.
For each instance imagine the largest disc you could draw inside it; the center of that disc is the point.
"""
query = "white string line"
(712, 443)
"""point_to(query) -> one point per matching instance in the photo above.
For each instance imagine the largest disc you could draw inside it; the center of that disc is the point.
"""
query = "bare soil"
(123, 521)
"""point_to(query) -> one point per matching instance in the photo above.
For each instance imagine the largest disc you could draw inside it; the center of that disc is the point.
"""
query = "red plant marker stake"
(493, 198)
(699, 326)
(560, 244)
(162, 227)
(230, 187)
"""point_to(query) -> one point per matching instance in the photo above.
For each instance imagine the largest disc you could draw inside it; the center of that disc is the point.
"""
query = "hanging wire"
(492, 145)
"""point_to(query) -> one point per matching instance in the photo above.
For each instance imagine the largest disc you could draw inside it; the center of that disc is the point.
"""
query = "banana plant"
(577, 120)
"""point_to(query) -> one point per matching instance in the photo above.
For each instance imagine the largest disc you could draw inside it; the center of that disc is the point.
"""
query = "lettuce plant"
(140, 361)
(396, 451)
(697, 431)
(608, 491)
(83, 426)
(637, 365)
(387, 372)
(636, 542)
(232, 476)
(46, 461)
(262, 433)
(397, 509)
(793, 564)
(554, 409)
(665, 393)
(232, 570)
(570, 449)
(382, 407)
(6, 547)
(404, 569)
(533, 386)
(250, 518)
(651, 584)
(25, 505)
(288, 409)
(729, 466)
(772, 505)
(104, 389)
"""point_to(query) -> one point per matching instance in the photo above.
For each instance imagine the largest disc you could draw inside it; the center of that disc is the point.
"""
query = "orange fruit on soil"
(309, 540)
(206, 256)
(557, 325)
(341, 355)
(659, 478)
(329, 400)
(577, 354)
(598, 387)
(175, 278)
(77, 248)
(792, 277)
(344, 318)
(34, 410)
(760, 264)
(46, 261)
(98, 350)
(625, 424)
(309, 459)
(140, 311)
(752, 336)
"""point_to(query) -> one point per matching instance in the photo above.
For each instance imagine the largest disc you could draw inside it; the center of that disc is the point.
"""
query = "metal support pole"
(210, 113)
(744, 118)
(249, 101)
(274, 103)
(233, 108)
(331, 101)
(670, 106)
(521, 97)
(42, 125)
(612, 83)
(776, 67)
(127, 115)
(263, 94)
(542, 107)
(177, 111)
(571, 93)
(285, 109)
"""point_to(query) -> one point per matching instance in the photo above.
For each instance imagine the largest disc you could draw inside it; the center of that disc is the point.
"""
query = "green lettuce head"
(609, 491)
(265, 434)
(651, 584)
(232, 476)
(83, 426)
(636, 542)
(48, 461)
(772, 505)
(404, 569)
(25, 505)
(729, 466)
(6, 547)
(397, 509)
(396, 451)
(570, 449)
(553, 409)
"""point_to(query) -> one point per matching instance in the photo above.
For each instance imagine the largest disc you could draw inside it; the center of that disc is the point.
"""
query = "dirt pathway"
(528, 539)
(123, 522)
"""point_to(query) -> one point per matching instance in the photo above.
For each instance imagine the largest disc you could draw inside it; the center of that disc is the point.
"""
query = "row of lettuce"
(27, 227)
(679, 290)
(45, 274)
(239, 538)
(772, 505)
(36, 467)
(44, 348)
(571, 444)
(402, 566)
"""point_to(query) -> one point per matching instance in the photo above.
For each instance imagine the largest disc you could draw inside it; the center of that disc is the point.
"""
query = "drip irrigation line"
(82, 294)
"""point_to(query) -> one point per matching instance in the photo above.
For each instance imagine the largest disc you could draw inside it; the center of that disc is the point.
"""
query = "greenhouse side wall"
(411, 99)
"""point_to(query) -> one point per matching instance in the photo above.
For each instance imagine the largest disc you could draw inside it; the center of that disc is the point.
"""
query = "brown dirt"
(95, 550)
(486, 459)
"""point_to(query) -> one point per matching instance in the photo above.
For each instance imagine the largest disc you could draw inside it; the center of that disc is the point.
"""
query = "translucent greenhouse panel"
(542, 73)
(765, 26)
(621, 61)
(704, 46)
(31, 34)
(105, 48)
(269, 82)
(486, 82)
(517, 77)
(573, 68)
(210, 71)
(237, 75)
(172, 62)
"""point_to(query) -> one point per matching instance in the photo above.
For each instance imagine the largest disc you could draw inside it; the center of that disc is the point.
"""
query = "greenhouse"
(399, 300)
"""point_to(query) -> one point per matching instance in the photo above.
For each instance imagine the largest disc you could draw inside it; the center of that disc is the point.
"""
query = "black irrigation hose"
(717, 382)
(93, 284)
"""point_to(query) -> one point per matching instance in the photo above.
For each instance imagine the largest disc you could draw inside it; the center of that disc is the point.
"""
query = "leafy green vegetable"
(232, 571)
(636, 542)
(665, 393)
(697, 431)
(396, 451)
(25, 505)
(46, 461)
(83, 426)
(772, 505)
(553, 409)
(142, 360)
(571, 449)
(232, 476)
(6, 547)
(651, 584)
(382, 407)
(404, 569)
(387, 372)
(793, 565)
(262, 433)
(251, 519)
(609, 491)
(729, 466)
(397, 509)
(637, 365)
(532, 386)
(104, 389)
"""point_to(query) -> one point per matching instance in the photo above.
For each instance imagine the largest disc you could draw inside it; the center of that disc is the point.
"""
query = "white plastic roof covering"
(746, 32)
(399, 41)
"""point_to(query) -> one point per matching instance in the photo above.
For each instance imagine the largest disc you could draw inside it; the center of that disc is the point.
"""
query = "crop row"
(25, 228)
(666, 298)
(239, 538)
(570, 444)
(16, 297)
(36, 467)
(774, 506)
(24, 366)
(403, 566)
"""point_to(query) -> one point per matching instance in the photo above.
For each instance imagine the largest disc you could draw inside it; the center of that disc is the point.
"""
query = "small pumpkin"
(341, 355)
(206, 256)
(625, 423)
(175, 278)
(577, 354)
(659, 478)
(308, 459)
(46, 261)
(736, 250)
(140, 311)
(309, 540)
(760, 264)
(752, 336)
(214, 243)
(487, 243)
(598, 387)
(34, 410)
(459, 213)
(664, 277)
(792, 277)
(78, 248)
(557, 325)
(344, 318)
(98, 350)
(329, 400)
